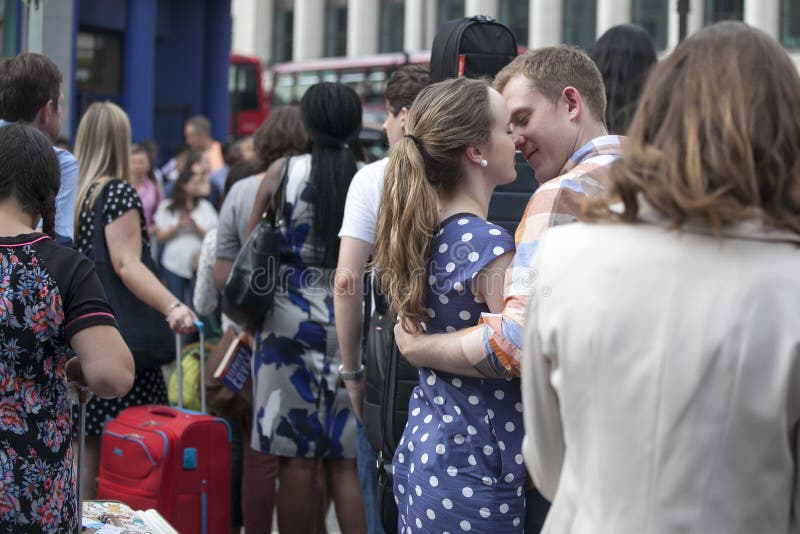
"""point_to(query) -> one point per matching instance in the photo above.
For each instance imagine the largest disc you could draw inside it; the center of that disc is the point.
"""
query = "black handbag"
(144, 329)
(254, 277)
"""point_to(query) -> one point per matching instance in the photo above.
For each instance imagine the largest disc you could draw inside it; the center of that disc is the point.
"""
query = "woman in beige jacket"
(661, 377)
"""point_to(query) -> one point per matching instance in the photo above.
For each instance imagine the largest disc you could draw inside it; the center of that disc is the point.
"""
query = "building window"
(652, 16)
(449, 10)
(99, 56)
(790, 24)
(514, 14)
(335, 28)
(717, 10)
(580, 23)
(391, 28)
(282, 31)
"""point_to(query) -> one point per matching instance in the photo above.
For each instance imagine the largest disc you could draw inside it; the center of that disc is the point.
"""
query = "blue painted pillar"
(138, 67)
(73, 103)
(218, 49)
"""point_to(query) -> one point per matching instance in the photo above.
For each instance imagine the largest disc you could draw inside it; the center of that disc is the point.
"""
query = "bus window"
(354, 79)
(367, 76)
(283, 89)
(245, 85)
(304, 81)
(330, 76)
(376, 82)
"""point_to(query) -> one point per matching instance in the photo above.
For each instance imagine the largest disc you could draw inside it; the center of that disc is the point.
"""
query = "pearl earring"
(484, 163)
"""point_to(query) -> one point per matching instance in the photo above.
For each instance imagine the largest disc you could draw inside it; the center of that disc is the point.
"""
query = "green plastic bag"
(190, 367)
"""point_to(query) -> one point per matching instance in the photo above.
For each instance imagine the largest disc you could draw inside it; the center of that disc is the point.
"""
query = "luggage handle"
(179, 370)
(156, 410)
(83, 400)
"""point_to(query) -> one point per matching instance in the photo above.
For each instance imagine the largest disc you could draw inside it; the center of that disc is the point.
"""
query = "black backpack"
(472, 47)
(389, 381)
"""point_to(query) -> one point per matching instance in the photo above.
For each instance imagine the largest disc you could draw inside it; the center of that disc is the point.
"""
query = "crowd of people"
(636, 369)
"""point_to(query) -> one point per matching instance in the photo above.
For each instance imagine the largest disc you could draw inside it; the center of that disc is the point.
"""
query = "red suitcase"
(170, 459)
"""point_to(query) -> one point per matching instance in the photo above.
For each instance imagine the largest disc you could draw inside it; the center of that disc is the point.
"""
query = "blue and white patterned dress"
(458, 466)
(300, 406)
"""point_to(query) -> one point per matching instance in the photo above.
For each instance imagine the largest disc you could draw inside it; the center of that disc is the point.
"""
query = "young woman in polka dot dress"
(102, 148)
(458, 466)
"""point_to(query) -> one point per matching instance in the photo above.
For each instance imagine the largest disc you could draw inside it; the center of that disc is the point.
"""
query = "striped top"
(493, 347)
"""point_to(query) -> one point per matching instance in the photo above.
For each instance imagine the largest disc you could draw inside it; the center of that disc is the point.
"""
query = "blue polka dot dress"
(458, 466)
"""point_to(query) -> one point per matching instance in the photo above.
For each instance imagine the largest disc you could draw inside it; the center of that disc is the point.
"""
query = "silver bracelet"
(352, 375)
(172, 307)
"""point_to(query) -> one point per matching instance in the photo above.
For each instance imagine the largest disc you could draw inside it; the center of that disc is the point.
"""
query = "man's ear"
(43, 115)
(573, 100)
(403, 115)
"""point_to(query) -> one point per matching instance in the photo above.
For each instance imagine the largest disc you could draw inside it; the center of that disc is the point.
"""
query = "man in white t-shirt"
(357, 239)
(358, 226)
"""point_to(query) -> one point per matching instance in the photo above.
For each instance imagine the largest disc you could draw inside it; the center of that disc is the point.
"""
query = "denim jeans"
(367, 475)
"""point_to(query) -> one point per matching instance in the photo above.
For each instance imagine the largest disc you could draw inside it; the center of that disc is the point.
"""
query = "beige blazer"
(661, 380)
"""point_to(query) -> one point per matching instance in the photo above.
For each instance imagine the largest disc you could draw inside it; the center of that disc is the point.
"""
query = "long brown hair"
(281, 134)
(445, 119)
(178, 196)
(716, 136)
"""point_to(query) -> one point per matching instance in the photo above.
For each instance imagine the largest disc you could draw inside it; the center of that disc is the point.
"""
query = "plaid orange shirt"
(493, 347)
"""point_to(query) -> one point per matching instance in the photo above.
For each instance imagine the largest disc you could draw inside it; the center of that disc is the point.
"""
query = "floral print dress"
(48, 293)
(300, 405)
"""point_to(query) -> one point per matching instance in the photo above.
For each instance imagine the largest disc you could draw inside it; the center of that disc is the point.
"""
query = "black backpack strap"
(366, 284)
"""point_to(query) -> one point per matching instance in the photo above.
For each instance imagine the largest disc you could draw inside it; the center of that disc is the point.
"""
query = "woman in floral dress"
(51, 308)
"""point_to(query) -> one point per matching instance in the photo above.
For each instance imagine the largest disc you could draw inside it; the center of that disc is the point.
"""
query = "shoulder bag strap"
(273, 214)
(99, 249)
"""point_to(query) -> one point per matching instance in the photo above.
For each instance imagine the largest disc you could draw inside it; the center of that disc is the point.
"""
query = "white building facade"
(291, 30)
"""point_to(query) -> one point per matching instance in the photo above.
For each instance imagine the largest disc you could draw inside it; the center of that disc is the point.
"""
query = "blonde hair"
(716, 136)
(102, 148)
(553, 68)
(444, 120)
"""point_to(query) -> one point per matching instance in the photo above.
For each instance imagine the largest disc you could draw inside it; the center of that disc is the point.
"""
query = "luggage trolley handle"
(201, 328)
(83, 398)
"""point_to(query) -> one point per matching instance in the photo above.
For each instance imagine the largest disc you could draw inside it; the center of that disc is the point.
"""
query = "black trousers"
(536, 508)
